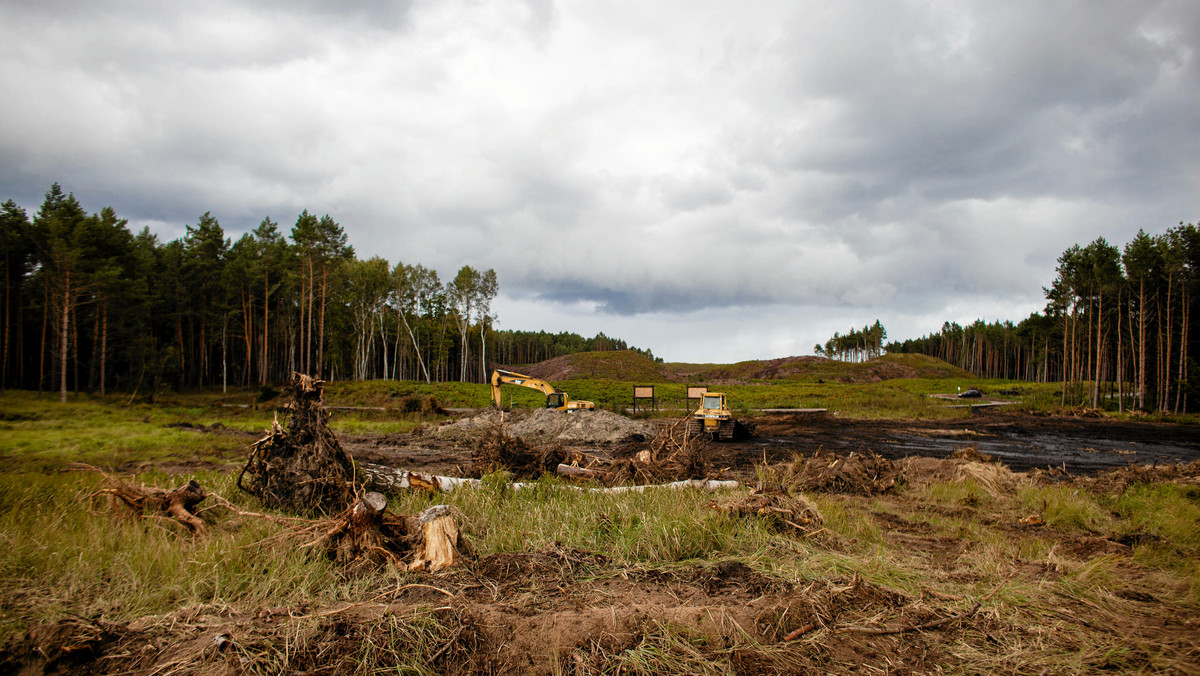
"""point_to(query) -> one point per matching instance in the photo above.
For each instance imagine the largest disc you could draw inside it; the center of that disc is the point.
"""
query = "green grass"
(62, 554)
(61, 551)
(39, 434)
(1163, 524)
(1065, 507)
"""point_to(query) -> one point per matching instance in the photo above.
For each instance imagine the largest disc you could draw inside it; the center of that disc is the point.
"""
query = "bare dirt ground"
(1019, 440)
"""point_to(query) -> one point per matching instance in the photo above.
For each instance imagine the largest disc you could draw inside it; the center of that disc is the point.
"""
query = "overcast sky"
(715, 181)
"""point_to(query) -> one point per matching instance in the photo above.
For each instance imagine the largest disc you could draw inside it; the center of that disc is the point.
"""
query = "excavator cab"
(556, 400)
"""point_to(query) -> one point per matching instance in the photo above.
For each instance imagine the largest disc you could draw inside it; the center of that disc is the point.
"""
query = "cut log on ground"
(577, 472)
(388, 478)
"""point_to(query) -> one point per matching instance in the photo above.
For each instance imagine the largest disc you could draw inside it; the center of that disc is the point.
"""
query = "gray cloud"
(645, 165)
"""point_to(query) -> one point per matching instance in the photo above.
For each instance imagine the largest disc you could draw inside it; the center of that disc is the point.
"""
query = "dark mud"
(1019, 440)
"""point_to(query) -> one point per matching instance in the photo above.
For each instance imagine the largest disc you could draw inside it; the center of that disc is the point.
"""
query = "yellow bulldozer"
(555, 398)
(715, 418)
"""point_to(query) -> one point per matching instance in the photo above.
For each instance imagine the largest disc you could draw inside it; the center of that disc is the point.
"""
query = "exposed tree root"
(177, 503)
(303, 468)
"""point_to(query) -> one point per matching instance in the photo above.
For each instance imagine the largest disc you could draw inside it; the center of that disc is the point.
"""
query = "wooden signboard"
(644, 392)
(697, 391)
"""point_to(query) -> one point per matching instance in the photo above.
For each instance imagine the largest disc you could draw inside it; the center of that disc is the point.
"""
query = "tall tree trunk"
(104, 349)
(247, 333)
(1066, 323)
(1142, 344)
(266, 315)
(483, 351)
(45, 323)
(94, 363)
(1120, 358)
(416, 346)
(224, 353)
(321, 328)
(1166, 358)
(384, 349)
(308, 344)
(1186, 311)
(66, 313)
(1099, 350)
(75, 345)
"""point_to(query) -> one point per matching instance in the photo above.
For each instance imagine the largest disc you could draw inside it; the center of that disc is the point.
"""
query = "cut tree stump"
(442, 545)
(365, 535)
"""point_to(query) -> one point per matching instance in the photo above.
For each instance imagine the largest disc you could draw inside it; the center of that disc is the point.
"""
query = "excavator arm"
(554, 397)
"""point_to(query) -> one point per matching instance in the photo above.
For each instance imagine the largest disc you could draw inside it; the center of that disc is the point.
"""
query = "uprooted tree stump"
(302, 468)
(496, 449)
(367, 536)
(178, 503)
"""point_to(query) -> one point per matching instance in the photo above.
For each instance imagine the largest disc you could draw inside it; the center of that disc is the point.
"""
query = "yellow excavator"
(555, 398)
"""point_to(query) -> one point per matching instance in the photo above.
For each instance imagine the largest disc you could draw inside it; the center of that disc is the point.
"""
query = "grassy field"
(1109, 582)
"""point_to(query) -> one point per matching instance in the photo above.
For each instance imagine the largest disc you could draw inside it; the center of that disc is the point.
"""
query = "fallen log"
(576, 472)
(399, 479)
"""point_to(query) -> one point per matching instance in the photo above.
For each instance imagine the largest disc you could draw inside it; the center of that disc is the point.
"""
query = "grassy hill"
(631, 366)
(624, 365)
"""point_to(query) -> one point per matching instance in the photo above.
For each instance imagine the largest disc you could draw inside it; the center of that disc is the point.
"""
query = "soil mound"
(607, 365)
(545, 424)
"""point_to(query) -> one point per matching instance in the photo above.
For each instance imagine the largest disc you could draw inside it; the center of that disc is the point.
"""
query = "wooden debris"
(366, 535)
(496, 449)
(177, 503)
(398, 479)
(577, 472)
(787, 512)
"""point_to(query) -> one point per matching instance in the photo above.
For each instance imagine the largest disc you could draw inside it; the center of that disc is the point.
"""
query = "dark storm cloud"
(636, 161)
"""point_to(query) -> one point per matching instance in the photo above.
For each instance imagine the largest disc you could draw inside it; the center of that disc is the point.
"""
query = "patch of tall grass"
(61, 550)
(1162, 523)
(40, 435)
(1065, 507)
(652, 527)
